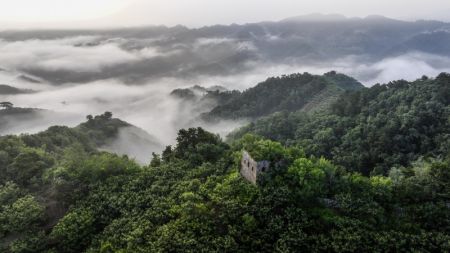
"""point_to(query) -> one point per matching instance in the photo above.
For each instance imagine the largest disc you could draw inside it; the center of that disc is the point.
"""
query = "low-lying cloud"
(85, 59)
(65, 54)
(133, 78)
(88, 58)
(149, 106)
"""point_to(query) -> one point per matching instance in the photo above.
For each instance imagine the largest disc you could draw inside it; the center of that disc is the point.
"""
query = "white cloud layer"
(148, 104)
(65, 54)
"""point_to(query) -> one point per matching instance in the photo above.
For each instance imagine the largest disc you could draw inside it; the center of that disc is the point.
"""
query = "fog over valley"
(224, 126)
(132, 72)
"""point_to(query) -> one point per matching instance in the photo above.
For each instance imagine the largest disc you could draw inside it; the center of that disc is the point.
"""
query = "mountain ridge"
(372, 176)
(222, 50)
(284, 93)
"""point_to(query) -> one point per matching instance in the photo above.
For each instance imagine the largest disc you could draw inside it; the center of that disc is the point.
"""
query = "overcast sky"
(194, 13)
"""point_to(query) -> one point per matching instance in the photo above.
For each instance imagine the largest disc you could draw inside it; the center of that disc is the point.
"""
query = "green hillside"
(371, 130)
(285, 93)
(369, 174)
(57, 194)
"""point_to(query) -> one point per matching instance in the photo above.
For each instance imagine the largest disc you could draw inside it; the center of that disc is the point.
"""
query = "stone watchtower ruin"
(251, 169)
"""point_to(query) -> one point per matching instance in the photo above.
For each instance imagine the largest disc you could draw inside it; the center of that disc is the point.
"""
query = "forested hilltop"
(370, 130)
(285, 93)
(368, 173)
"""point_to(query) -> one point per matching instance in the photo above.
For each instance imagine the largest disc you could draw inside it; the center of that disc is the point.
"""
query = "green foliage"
(74, 230)
(195, 145)
(9, 192)
(260, 149)
(57, 138)
(156, 160)
(21, 215)
(99, 167)
(327, 189)
(32, 242)
(28, 167)
(311, 176)
(370, 130)
(285, 93)
(102, 128)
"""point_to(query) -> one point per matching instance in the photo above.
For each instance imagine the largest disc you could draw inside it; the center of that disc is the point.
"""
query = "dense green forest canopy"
(370, 130)
(69, 198)
(289, 92)
(372, 174)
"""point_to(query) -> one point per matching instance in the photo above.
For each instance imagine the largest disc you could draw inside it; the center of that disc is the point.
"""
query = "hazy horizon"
(132, 72)
(97, 14)
(224, 126)
(84, 25)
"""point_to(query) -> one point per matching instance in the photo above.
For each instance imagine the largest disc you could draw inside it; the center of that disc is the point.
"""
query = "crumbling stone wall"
(250, 169)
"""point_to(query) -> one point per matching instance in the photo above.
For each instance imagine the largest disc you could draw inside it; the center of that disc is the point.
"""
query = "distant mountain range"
(10, 90)
(294, 93)
(228, 49)
(290, 93)
(17, 120)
